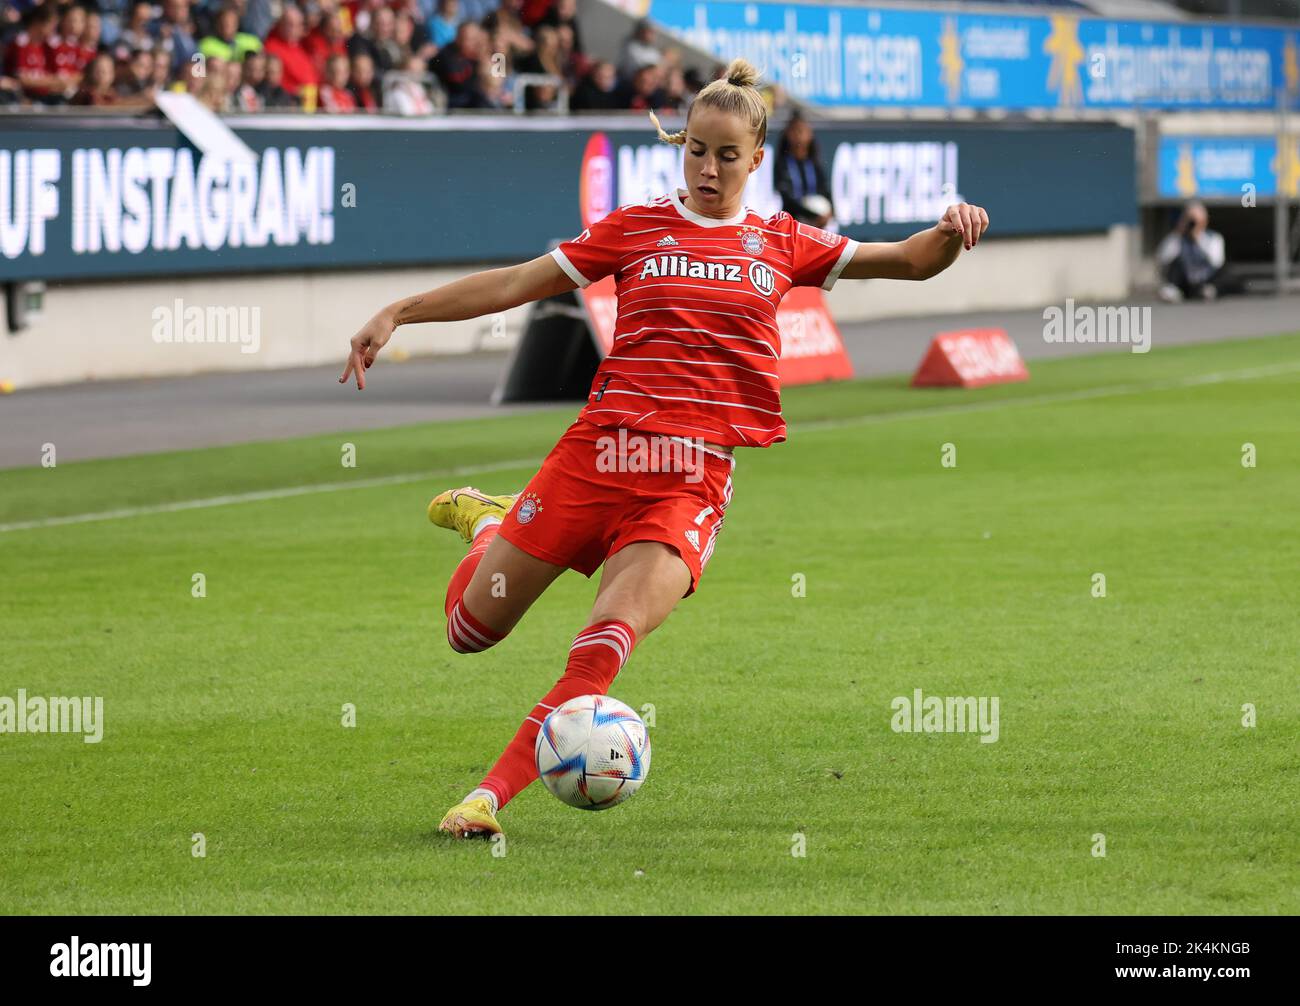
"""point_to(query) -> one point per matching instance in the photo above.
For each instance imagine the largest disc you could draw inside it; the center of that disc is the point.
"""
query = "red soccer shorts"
(602, 488)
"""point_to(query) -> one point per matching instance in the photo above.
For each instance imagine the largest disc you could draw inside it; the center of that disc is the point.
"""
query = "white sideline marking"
(811, 427)
(265, 494)
(1082, 394)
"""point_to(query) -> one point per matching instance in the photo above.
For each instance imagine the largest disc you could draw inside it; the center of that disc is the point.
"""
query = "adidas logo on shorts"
(693, 537)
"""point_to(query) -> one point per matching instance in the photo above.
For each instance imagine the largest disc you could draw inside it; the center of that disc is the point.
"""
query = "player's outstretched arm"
(924, 254)
(486, 292)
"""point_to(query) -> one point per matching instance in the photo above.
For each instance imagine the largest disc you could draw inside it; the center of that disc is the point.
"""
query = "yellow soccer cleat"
(461, 509)
(471, 819)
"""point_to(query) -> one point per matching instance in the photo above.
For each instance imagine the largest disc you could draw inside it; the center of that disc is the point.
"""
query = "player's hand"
(966, 222)
(365, 346)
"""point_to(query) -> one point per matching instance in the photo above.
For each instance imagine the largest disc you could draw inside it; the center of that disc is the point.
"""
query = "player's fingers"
(347, 370)
(976, 225)
(951, 220)
(357, 368)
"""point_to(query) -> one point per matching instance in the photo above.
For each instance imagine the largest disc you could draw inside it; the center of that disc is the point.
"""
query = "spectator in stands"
(645, 93)
(675, 96)
(357, 15)
(457, 67)
(500, 55)
(510, 35)
(493, 91)
(272, 90)
(226, 40)
(598, 91)
(576, 64)
(363, 84)
(68, 49)
(98, 89)
(214, 85)
(640, 50)
(419, 38)
(442, 26)
(408, 95)
(28, 58)
(234, 80)
(93, 37)
(531, 12)
(136, 34)
(162, 76)
(544, 59)
(412, 40)
(797, 174)
(380, 41)
(325, 40)
(112, 14)
(137, 81)
(564, 14)
(1191, 257)
(256, 17)
(334, 94)
(247, 96)
(285, 44)
(174, 33)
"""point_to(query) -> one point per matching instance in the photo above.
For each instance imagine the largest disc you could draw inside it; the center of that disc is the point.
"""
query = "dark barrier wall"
(78, 202)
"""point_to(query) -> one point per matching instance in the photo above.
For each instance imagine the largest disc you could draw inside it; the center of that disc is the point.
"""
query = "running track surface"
(114, 418)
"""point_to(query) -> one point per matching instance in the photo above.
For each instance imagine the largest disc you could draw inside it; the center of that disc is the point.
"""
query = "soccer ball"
(593, 752)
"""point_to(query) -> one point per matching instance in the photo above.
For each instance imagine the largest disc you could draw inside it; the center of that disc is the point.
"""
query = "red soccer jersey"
(69, 57)
(696, 342)
(27, 56)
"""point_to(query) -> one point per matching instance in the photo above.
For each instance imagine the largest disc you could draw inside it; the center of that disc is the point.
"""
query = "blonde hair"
(736, 92)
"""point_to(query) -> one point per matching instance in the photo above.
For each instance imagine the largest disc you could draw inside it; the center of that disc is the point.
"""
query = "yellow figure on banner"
(1067, 53)
(1286, 165)
(1186, 182)
(1291, 65)
(950, 61)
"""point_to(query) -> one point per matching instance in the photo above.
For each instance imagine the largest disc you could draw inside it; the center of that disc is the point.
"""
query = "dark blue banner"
(92, 202)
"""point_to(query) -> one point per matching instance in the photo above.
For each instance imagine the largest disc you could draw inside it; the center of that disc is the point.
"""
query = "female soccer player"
(692, 374)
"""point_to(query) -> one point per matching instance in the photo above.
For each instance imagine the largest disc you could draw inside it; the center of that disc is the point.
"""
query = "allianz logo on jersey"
(760, 274)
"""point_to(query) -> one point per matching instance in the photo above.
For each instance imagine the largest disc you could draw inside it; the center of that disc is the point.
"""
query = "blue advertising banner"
(102, 202)
(1227, 167)
(837, 55)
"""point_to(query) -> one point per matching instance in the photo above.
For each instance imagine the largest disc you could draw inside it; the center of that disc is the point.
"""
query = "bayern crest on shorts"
(529, 507)
(752, 242)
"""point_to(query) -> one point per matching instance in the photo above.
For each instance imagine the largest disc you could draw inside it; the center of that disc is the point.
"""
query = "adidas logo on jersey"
(693, 537)
(664, 242)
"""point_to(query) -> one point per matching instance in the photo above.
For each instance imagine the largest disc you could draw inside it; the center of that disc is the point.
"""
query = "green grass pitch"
(1120, 716)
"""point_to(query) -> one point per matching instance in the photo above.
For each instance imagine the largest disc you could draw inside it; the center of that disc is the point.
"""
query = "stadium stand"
(407, 57)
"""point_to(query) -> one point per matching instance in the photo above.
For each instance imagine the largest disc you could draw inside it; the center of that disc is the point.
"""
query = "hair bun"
(741, 73)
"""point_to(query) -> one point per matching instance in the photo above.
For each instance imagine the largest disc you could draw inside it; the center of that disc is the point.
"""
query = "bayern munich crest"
(752, 242)
(529, 507)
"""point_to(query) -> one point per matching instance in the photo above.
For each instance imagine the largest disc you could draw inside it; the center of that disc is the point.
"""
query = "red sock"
(595, 658)
(465, 632)
(465, 571)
